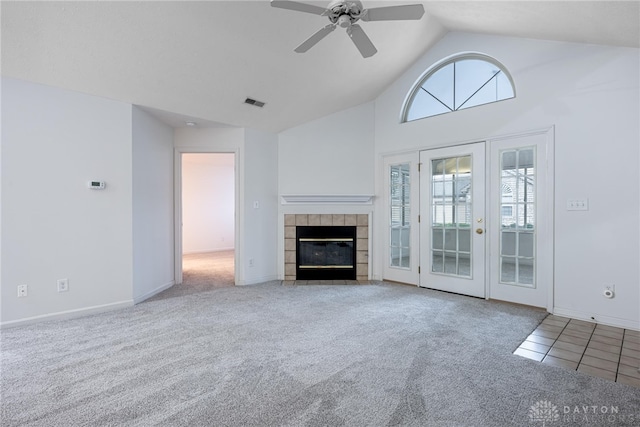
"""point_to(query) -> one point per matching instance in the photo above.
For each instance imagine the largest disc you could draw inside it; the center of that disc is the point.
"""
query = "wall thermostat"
(96, 185)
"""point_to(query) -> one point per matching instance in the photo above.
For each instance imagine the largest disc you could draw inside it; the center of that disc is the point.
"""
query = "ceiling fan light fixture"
(344, 21)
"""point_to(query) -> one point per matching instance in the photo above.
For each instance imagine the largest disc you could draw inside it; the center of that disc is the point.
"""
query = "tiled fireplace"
(359, 221)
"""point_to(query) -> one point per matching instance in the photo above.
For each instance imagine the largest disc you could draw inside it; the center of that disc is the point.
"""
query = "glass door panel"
(450, 223)
(517, 217)
(522, 209)
(400, 216)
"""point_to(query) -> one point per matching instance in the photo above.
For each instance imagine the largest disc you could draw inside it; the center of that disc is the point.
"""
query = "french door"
(452, 219)
(486, 224)
(521, 267)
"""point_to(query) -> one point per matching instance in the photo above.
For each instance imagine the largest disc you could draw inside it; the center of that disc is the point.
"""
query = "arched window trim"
(443, 63)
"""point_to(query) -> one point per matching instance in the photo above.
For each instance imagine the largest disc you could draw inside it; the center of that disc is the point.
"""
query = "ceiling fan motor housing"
(344, 13)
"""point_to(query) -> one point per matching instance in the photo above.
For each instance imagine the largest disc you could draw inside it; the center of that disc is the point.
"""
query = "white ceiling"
(198, 61)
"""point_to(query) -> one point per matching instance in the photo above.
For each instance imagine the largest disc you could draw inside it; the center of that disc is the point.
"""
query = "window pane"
(517, 211)
(486, 95)
(425, 105)
(471, 75)
(463, 215)
(525, 158)
(395, 257)
(464, 266)
(450, 266)
(405, 259)
(395, 237)
(450, 240)
(451, 210)
(525, 245)
(400, 215)
(508, 246)
(466, 82)
(508, 161)
(396, 215)
(464, 240)
(508, 270)
(437, 238)
(437, 264)
(525, 272)
(464, 164)
(505, 90)
(440, 85)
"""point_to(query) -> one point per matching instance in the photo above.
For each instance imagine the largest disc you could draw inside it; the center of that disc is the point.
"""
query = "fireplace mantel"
(335, 199)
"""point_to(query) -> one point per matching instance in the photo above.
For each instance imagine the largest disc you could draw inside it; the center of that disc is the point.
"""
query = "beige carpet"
(298, 356)
(203, 272)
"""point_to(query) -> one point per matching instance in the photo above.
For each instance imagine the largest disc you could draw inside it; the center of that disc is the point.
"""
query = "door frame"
(177, 191)
(546, 239)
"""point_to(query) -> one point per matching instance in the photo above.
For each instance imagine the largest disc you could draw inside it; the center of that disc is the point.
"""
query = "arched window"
(456, 83)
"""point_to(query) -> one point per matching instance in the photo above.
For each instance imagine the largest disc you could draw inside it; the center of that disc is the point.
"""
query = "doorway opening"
(208, 203)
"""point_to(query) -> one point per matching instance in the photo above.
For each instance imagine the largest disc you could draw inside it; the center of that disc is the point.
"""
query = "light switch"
(578, 204)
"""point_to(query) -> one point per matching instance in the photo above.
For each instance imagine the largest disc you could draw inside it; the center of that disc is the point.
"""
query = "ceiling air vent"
(254, 102)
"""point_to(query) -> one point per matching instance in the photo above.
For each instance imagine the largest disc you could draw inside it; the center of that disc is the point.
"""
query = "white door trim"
(177, 191)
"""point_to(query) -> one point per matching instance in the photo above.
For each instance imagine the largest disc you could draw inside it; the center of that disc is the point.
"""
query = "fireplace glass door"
(326, 253)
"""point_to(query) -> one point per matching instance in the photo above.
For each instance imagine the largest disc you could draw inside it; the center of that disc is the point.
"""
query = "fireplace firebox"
(326, 253)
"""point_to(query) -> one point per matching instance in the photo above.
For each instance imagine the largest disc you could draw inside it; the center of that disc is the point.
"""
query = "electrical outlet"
(22, 291)
(63, 285)
(250, 262)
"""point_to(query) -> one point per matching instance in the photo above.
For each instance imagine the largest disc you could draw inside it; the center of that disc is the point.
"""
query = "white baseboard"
(205, 251)
(603, 320)
(137, 300)
(258, 280)
(69, 314)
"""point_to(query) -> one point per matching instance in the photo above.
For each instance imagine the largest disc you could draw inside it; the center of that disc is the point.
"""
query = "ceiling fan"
(346, 13)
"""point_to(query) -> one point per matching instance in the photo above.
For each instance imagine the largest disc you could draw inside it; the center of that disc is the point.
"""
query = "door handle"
(479, 230)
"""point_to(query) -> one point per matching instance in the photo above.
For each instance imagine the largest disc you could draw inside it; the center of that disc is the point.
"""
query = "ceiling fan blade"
(298, 7)
(361, 41)
(314, 39)
(394, 13)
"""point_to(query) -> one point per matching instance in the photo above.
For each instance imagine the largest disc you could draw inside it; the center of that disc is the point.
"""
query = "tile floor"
(598, 350)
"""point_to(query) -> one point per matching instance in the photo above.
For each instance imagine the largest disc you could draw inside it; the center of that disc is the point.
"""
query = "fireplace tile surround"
(360, 221)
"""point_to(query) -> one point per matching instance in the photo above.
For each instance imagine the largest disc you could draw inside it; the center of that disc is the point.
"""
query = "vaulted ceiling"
(187, 60)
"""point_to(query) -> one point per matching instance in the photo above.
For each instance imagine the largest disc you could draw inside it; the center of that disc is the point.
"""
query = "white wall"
(329, 156)
(260, 225)
(53, 142)
(591, 94)
(153, 265)
(208, 202)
